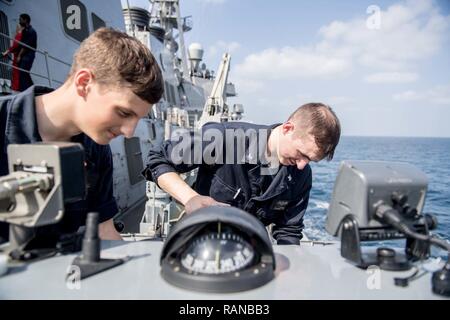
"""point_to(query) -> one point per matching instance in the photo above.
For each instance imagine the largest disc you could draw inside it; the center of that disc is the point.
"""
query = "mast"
(167, 14)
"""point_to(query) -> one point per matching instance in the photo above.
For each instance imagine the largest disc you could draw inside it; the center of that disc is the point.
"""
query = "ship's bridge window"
(5, 70)
(74, 19)
(97, 22)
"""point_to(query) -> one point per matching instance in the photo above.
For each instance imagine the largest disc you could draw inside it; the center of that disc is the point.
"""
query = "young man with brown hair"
(113, 82)
(272, 182)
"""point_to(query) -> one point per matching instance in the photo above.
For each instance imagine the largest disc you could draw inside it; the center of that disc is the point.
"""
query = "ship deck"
(313, 270)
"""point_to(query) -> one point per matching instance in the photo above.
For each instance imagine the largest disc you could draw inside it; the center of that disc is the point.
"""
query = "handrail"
(34, 49)
(33, 73)
(46, 57)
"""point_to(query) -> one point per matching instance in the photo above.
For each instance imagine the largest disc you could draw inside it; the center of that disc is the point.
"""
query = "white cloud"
(409, 32)
(409, 95)
(249, 85)
(391, 77)
(438, 95)
(338, 100)
(221, 47)
(288, 63)
(212, 1)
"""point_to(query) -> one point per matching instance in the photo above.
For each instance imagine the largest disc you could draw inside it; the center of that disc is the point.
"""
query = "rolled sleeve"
(182, 153)
(159, 161)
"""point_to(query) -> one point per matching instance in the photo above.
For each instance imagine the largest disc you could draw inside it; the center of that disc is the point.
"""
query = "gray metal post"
(48, 69)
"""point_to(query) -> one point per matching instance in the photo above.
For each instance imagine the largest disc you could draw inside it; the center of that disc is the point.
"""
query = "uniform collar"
(21, 125)
(265, 164)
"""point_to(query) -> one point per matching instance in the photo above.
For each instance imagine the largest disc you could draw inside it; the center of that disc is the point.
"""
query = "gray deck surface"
(303, 272)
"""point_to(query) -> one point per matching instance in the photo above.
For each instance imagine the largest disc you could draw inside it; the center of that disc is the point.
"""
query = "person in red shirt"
(14, 50)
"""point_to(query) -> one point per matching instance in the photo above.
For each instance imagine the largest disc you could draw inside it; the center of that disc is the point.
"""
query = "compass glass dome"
(218, 249)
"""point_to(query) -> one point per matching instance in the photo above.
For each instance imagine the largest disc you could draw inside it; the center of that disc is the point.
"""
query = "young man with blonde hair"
(261, 169)
(113, 82)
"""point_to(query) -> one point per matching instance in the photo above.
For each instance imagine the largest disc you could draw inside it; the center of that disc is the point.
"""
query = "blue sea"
(431, 155)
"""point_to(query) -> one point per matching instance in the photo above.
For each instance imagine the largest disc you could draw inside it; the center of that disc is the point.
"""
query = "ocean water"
(431, 155)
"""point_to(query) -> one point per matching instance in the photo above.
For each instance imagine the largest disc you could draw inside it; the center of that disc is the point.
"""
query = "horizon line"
(389, 136)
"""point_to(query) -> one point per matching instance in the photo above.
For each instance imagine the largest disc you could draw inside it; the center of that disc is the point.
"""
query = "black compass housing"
(218, 249)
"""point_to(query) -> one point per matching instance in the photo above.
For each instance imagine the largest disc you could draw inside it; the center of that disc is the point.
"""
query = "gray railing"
(46, 55)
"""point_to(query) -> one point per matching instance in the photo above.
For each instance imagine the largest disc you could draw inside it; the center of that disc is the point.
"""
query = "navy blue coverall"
(280, 198)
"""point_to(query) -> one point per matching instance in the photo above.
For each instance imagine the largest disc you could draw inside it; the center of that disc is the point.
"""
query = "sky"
(383, 66)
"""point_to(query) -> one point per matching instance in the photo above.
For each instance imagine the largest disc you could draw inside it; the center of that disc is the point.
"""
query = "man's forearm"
(172, 183)
(107, 231)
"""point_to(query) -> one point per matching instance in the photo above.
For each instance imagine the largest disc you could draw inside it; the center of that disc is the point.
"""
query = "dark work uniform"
(29, 37)
(280, 198)
(18, 125)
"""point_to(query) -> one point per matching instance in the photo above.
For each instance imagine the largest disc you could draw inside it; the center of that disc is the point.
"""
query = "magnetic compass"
(218, 249)
(215, 253)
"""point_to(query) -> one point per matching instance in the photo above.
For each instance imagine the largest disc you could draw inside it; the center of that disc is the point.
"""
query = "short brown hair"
(118, 59)
(319, 120)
